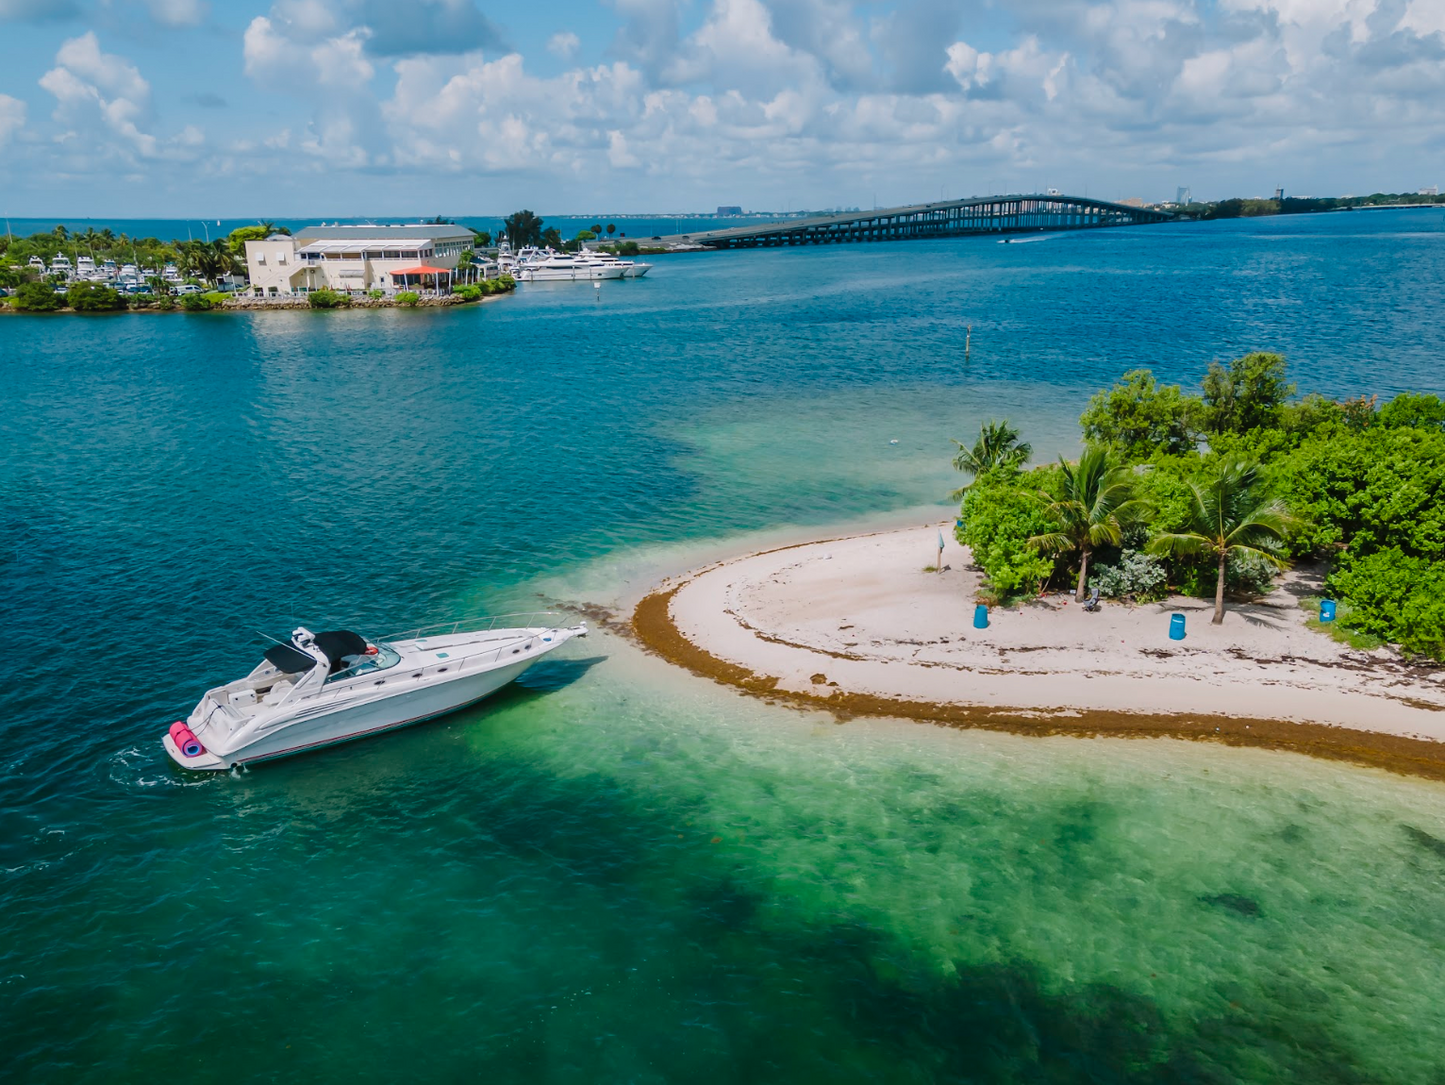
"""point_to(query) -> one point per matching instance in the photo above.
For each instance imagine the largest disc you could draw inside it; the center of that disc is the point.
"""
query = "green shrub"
(506, 282)
(1135, 575)
(327, 299)
(1140, 418)
(409, 298)
(37, 298)
(996, 520)
(196, 303)
(470, 292)
(93, 298)
(1416, 412)
(1397, 597)
(374, 294)
(215, 297)
(165, 302)
(1369, 491)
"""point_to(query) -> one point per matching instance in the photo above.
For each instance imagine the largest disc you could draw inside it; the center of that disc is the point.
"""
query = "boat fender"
(371, 649)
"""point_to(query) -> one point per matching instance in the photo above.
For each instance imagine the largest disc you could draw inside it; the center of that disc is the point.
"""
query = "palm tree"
(1230, 514)
(208, 262)
(1095, 503)
(998, 445)
(523, 228)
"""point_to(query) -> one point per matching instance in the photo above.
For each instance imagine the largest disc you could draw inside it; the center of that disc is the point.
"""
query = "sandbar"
(857, 626)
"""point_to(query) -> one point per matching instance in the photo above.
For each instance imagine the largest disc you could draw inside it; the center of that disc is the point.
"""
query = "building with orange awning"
(357, 259)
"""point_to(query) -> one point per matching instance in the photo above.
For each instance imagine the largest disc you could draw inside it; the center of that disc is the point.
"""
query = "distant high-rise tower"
(1184, 196)
(1279, 193)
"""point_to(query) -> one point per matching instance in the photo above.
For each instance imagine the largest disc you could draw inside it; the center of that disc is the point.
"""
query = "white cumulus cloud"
(564, 44)
(12, 117)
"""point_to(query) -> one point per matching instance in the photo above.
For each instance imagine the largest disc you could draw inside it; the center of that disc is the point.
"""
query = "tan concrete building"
(420, 256)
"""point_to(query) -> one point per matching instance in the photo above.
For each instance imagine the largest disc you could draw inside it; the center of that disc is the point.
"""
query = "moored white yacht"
(325, 688)
(60, 265)
(549, 266)
(631, 269)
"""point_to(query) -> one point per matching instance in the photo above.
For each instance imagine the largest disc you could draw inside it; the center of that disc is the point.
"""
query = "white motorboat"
(554, 267)
(325, 688)
(631, 269)
(61, 266)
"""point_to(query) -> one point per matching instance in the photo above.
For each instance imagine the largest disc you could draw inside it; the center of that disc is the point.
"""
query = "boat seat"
(276, 692)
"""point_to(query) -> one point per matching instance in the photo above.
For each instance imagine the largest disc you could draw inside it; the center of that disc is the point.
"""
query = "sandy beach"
(856, 624)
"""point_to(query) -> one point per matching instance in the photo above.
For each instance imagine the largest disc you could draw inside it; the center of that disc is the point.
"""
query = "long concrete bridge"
(951, 218)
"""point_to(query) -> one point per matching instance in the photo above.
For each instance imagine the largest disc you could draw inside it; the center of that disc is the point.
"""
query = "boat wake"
(135, 769)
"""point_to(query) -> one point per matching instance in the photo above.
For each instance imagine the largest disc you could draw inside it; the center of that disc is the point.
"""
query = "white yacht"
(85, 267)
(549, 267)
(171, 273)
(631, 269)
(37, 265)
(323, 688)
(129, 274)
(60, 265)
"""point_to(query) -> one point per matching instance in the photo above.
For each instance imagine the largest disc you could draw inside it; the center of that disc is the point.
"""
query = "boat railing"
(545, 619)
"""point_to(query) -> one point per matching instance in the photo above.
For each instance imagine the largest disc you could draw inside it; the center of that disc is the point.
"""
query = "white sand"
(861, 612)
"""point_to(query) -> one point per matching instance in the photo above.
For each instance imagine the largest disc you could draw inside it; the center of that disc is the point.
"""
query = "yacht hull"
(566, 275)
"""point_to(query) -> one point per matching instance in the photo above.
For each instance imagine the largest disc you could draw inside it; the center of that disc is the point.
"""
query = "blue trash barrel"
(1176, 627)
(980, 616)
(1327, 610)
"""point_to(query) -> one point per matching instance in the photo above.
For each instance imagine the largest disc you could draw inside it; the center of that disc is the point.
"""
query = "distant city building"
(354, 258)
(729, 211)
(1429, 190)
(1132, 201)
(1279, 193)
(1184, 196)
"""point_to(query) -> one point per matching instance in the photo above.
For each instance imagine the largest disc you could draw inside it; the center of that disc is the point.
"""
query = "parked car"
(188, 288)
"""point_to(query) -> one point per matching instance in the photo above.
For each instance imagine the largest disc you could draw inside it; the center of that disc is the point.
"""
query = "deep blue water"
(529, 891)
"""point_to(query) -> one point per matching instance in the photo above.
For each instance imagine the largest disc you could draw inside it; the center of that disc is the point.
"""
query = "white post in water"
(968, 342)
(938, 565)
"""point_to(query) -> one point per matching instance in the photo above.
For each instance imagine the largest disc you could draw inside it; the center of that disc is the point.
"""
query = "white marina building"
(356, 258)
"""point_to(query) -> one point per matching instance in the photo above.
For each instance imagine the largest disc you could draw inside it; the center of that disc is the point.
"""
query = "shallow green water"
(615, 871)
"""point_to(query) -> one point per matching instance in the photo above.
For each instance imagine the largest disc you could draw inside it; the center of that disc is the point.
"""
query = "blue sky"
(294, 108)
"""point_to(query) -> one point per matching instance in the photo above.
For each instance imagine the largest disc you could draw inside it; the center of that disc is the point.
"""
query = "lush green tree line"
(1295, 205)
(199, 261)
(1211, 493)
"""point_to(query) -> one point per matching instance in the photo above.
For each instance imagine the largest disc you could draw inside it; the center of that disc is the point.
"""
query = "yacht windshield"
(361, 664)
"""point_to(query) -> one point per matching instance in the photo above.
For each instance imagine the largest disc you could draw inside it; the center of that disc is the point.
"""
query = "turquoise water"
(616, 872)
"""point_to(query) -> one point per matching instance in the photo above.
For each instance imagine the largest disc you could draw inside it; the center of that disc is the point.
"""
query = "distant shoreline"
(261, 305)
(856, 627)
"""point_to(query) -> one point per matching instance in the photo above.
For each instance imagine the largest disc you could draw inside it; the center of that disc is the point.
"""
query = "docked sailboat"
(320, 689)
